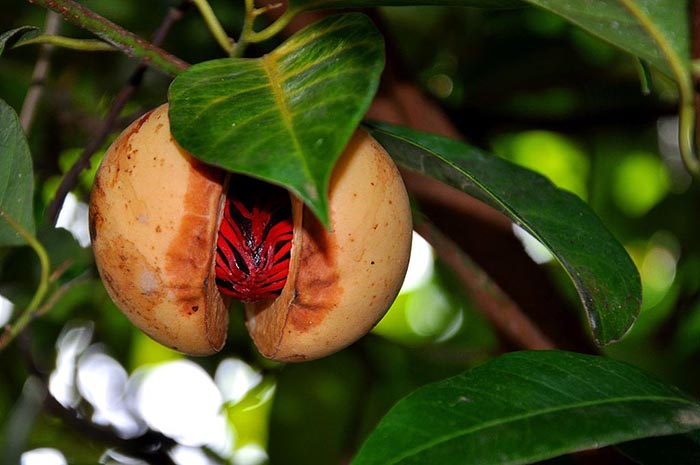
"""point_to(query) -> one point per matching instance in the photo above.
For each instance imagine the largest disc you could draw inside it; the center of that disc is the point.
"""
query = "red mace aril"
(308, 290)
(254, 241)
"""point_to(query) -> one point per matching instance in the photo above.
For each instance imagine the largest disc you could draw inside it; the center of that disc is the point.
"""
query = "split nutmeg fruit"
(175, 240)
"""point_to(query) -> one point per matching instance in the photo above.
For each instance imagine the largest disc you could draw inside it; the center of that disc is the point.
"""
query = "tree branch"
(41, 70)
(71, 178)
(128, 42)
(151, 446)
(490, 300)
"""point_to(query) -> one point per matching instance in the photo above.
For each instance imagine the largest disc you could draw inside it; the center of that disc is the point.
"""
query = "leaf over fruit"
(285, 117)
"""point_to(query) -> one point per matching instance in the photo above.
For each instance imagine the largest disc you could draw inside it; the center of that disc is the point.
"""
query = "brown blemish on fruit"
(96, 220)
(317, 289)
(136, 285)
(135, 128)
(190, 254)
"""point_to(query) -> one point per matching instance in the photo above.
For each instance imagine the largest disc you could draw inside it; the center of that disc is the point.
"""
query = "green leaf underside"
(604, 275)
(320, 4)
(652, 30)
(524, 407)
(11, 37)
(286, 117)
(16, 177)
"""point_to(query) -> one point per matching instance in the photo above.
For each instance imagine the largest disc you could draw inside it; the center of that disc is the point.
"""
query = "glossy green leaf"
(318, 4)
(524, 407)
(16, 177)
(11, 37)
(604, 275)
(654, 30)
(284, 117)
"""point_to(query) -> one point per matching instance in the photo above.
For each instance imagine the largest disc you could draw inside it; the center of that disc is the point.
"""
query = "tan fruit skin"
(341, 282)
(154, 215)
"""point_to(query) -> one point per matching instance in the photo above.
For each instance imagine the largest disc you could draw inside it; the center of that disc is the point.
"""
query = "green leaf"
(11, 37)
(653, 30)
(524, 407)
(286, 117)
(16, 177)
(319, 4)
(604, 275)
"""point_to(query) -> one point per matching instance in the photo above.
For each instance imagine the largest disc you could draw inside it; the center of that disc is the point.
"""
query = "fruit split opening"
(254, 240)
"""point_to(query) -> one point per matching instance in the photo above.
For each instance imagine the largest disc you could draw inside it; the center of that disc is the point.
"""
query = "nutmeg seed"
(154, 216)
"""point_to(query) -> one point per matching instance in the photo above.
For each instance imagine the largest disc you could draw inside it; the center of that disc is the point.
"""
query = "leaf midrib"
(515, 418)
(268, 64)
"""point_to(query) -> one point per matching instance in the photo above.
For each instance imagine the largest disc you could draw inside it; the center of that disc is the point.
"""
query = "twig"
(215, 27)
(130, 43)
(71, 178)
(83, 45)
(152, 446)
(41, 70)
(496, 306)
(11, 331)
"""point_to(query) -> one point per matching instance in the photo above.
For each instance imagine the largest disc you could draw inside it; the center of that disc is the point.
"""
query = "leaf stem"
(274, 28)
(681, 70)
(248, 33)
(128, 42)
(214, 25)
(84, 45)
(26, 317)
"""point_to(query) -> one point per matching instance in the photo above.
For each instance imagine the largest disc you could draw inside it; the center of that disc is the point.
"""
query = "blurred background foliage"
(521, 83)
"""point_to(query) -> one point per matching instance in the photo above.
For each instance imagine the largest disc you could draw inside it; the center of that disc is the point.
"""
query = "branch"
(26, 316)
(152, 446)
(128, 42)
(41, 69)
(493, 303)
(71, 178)
(217, 30)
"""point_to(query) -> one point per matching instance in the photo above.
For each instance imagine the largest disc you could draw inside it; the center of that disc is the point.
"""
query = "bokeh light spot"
(550, 154)
(641, 181)
(6, 309)
(43, 456)
(181, 400)
(420, 266)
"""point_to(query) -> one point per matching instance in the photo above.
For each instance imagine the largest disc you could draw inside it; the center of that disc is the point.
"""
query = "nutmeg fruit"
(157, 214)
